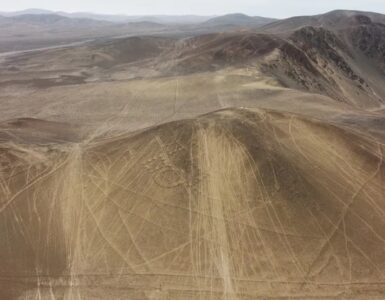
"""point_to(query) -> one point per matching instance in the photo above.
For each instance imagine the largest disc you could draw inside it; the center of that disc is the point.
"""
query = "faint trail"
(345, 211)
(35, 181)
(294, 140)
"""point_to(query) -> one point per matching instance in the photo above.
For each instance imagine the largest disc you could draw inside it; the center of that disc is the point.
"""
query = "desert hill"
(238, 20)
(344, 63)
(164, 19)
(33, 29)
(240, 203)
(182, 162)
(29, 31)
(337, 19)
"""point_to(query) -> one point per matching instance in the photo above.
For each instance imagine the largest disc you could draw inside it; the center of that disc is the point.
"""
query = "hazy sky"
(268, 8)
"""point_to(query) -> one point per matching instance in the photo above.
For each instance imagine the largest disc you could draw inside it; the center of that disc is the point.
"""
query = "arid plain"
(233, 159)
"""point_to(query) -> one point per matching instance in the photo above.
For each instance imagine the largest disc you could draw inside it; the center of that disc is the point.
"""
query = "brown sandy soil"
(237, 204)
(239, 165)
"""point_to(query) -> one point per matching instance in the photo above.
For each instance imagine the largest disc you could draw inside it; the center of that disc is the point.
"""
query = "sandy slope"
(238, 204)
(225, 166)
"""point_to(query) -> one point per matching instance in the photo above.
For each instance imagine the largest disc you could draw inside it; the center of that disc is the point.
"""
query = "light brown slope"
(237, 204)
(82, 63)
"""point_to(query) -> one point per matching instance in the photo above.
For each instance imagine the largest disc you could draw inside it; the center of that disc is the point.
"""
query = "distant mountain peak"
(238, 19)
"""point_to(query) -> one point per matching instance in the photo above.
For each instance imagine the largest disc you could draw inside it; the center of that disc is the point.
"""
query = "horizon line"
(174, 15)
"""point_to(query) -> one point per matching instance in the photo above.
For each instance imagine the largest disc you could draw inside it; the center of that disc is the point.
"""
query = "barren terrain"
(208, 164)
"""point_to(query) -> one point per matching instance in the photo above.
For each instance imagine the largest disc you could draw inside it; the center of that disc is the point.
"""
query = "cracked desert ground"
(162, 178)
